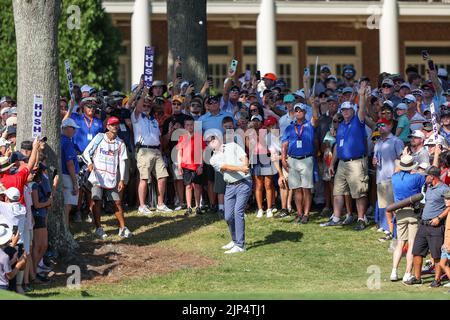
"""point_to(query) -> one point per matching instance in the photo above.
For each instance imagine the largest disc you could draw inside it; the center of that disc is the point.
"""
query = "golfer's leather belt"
(149, 147)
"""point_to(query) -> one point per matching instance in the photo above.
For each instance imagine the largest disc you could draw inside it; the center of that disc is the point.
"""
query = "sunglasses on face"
(253, 110)
(407, 101)
(195, 105)
(176, 104)
(243, 96)
(299, 110)
(234, 91)
(386, 86)
(381, 125)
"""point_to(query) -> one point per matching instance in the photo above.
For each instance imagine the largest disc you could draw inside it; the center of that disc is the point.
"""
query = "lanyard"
(88, 125)
(299, 135)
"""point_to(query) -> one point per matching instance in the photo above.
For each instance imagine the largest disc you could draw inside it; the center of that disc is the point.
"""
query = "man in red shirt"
(190, 165)
(18, 179)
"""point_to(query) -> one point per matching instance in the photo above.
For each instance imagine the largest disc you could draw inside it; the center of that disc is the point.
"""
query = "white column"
(389, 46)
(140, 37)
(266, 44)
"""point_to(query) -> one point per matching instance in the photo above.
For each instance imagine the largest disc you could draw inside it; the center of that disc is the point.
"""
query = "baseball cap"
(69, 123)
(212, 99)
(332, 77)
(417, 92)
(447, 195)
(27, 145)
(11, 121)
(325, 67)
(405, 85)
(289, 98)
(349, 69)
(426, 109)
(11, 130)
(86, 88)
(417, 134)
(402, 106)
(12, 194)
(347, 90)
(270, 121)
(388, 82)
(427, 126)
(427, 86)
(5, 234)
(112, 120)
(17, 156)
(389, 103)
(442, 72)
(12, 110)
(300, 93)
(347, 105)
(4, 110)
(410, 97)
(433, 171)
(431, 141)
(270, 76)
(301, 106)
(332, 98)
(257, 117)
(424, 165)
(384, 121)
(178, 98)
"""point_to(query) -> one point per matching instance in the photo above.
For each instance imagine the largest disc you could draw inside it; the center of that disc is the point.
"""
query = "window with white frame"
(336, 54)
(220, 54)
(439, 53)
(287, 61)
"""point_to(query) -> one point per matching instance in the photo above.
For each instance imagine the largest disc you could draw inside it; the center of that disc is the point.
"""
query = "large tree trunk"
(36, 23)
(188, 39)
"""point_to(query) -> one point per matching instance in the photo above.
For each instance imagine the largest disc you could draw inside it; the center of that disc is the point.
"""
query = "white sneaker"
(380, 230)
(274, 210)
(145, 210)
(90, 218)
(394, 275)
(260, 213)
(163, 209)
(235, 249)
(407, 277)
(125, 233)
(228, 246)
(447, 285)
(269, 213)
(100, 233)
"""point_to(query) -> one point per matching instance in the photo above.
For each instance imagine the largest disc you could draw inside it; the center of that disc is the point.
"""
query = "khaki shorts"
(351, 178)
(385, 194)
(407, 224)
(69, 198)
(150, 161)
(300, 173)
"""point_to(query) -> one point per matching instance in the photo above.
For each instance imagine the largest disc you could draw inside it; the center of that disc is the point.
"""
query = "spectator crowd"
(348, 146)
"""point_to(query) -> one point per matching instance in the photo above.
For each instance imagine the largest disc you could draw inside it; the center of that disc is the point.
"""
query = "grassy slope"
(283, 261)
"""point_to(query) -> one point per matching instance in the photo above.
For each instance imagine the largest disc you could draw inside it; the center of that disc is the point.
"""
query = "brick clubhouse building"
(287, 36)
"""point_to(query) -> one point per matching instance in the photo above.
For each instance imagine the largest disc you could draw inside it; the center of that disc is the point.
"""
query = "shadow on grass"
(276, 237)
(42, 295)
(166, 227)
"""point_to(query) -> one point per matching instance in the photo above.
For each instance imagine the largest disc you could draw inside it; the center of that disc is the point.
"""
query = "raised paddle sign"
(38, 108)
(148, 66)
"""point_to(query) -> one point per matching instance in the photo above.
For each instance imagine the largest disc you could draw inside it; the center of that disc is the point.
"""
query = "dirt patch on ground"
(111, 262)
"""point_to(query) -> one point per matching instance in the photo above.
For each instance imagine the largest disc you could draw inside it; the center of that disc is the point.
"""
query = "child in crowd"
(190, 155)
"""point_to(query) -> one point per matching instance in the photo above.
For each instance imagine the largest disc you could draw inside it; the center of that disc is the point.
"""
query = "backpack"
(98, 138)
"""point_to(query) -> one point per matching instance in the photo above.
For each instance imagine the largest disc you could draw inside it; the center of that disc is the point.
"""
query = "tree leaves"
(93, 49)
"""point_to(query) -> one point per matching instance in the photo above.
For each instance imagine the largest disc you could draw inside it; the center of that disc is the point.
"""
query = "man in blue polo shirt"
(351, 175)
(298, 145)
(88, 123)
(70, 167)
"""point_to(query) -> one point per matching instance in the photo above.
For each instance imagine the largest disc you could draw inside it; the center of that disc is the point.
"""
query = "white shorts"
(69, 198)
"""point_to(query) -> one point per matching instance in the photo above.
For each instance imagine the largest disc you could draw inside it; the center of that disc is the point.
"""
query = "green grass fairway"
(283, 261)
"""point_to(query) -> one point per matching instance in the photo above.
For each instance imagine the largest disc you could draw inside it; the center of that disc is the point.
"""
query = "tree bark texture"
(36, 25)
(187, 38)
